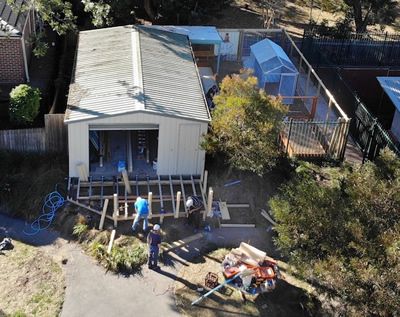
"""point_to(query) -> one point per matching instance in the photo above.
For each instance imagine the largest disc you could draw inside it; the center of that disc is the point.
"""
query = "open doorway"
(110, 151)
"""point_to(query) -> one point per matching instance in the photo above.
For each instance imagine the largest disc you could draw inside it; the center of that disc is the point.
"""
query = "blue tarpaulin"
(196, 34)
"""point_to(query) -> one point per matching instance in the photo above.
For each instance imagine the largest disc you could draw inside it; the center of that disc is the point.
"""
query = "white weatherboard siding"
(178, 141)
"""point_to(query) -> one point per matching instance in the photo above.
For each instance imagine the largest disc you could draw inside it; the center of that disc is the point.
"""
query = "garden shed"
(135, 102)
(273, 68)
(391, 86)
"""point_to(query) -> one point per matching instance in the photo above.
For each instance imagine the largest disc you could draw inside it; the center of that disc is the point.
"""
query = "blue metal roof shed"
(391, 86)
(196, 34)
(272, 65)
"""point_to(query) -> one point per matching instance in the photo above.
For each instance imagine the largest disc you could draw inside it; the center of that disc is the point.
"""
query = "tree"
(245, 124)
(365, 12)
(341, 226)
(24, 104)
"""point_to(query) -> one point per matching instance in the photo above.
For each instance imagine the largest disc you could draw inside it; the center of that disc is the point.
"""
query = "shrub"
(24, 104)
(80, 230)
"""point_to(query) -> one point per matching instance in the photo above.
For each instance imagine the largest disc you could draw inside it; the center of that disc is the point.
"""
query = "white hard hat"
(138, 198)
(189, 203)
(156, 227)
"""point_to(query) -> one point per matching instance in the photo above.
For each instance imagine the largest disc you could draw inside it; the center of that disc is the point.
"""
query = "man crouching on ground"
(154, 241)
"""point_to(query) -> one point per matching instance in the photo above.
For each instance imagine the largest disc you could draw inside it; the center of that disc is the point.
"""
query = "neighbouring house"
(136, 102)
(16, 27)
(391, 86)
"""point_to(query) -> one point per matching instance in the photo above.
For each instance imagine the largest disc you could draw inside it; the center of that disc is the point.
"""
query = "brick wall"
(11, 61)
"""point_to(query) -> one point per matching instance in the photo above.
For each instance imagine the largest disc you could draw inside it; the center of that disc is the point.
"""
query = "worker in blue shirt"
(153, 242)
(142, 212)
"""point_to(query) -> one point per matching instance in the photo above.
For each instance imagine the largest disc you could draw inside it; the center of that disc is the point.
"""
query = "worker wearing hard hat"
(153, 242)
(194, 205)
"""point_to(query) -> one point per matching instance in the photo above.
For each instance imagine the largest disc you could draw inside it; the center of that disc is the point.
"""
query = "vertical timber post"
(178, 203)
(116, 210)
(209, 203)
(150, 199)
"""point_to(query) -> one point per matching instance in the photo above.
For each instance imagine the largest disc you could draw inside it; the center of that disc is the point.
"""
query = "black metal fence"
(365, 128)
(351, 49)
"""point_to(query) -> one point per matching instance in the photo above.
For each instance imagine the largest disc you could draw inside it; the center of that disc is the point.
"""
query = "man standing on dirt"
(142, 212)
(194, 205)
(153, 242)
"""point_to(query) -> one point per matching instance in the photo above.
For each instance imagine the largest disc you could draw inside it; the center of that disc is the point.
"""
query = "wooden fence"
(51, 138)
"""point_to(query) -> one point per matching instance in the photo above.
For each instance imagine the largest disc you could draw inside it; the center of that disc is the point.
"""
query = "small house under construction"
(136, 102)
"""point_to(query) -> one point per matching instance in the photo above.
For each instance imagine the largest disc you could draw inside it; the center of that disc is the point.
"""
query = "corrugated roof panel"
(171, 83)
(391, 85)
(12, 20)
(104, 82)
(125, 69)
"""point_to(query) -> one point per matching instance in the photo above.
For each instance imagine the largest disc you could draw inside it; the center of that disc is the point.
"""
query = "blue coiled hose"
(52, 203)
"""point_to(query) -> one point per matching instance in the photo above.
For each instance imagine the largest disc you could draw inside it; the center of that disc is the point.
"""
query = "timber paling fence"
(50, 139)
(352, 49)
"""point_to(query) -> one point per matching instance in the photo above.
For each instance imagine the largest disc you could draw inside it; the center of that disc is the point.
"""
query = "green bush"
(80, 230)
(24, 104)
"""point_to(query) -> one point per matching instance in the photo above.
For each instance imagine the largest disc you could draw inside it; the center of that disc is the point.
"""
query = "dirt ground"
(293, 15)
(38, 283)
(286, 300)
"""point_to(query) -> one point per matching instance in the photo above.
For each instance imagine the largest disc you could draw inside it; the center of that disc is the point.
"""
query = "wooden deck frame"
(85, 192)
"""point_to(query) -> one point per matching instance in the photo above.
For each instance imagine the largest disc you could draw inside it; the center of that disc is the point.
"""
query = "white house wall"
(173, 157)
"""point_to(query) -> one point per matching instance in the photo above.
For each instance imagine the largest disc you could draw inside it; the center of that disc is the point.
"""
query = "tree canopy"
(363, 12)
(341, 226)
(245, 124)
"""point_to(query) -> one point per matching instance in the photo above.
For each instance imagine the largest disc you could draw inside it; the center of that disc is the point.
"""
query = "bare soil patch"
(31, 283)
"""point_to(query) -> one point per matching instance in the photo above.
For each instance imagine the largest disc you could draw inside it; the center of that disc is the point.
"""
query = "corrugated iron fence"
(51, 138)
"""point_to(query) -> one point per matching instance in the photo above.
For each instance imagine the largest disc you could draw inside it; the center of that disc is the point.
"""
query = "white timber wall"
(178, 142)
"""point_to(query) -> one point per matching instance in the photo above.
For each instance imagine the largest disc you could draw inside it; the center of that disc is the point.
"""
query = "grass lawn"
(31, 283)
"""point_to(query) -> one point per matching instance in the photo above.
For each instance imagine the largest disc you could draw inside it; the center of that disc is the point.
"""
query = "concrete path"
(90, 291)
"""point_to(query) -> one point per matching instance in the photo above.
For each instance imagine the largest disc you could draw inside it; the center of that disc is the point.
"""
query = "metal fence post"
(290, 132)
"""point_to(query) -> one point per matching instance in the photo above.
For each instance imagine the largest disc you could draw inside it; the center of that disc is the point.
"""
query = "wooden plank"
(137, 186)
(178, 203)
(209, 203)
(205, 179)
(110, 244)
(151, 182)
(150, 201)
(237, 225)
(102, 191)
(172, 193)
(180, 243)
(103, 215)
(87, 207)
(183, 194)
(267, 216)
(78, 188)
(115, 210)
(161, 201)
(238, 205)
(126, 181)
(224, 210)
(193, 186)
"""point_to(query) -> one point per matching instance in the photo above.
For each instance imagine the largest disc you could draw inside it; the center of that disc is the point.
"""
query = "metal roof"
(12, 18)
(196, 34)
(391, 85)
(126, 69)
